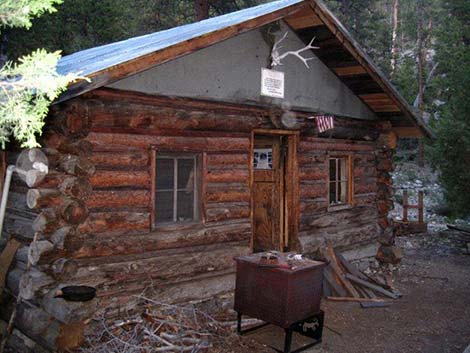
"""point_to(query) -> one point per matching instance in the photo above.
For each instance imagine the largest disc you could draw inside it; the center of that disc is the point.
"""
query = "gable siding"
(230, 71)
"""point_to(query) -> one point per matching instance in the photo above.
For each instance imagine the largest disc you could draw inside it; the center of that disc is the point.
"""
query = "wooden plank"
(349, 70)
(354, 271)
(6, 257)
(349, 299)
(372, 286)
(339, 273)
(367, 305)
(338, 289)
(410, 132)
(304, 18)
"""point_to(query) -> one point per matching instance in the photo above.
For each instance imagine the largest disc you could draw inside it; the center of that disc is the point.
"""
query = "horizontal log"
(313, 173)
(308, 206)
(120, 178)
(116, 223)
(310, 158)
(156, 119)
(37, 249)
(313, 240)
(73, 211)
(166, 143)
(227, 176)
(227, 161)
(40, 198)
(123, 159)
(13, 280)
(63, 268)
(352, 217)
(46, 222)
(360, 172)
(60, 236)
(73, 186)
(65, 146)
(77, 187)
(220, 212)
(310, 144)
(110, 96)
(17, 201)
(165, 238)
(119, 199)
(360, 188)
(71, 118)
(76, 165)
(34, 283)
(48, 332)
(200, 288)
(227, 195)
(312, 191)
(161, 268)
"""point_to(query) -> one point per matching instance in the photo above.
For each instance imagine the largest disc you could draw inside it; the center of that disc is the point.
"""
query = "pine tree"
(28, 87)
(451, 152)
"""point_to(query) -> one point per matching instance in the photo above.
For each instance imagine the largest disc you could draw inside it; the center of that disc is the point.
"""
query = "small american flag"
(324, 122)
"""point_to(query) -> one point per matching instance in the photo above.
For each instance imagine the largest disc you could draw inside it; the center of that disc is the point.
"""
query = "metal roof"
(89, 61)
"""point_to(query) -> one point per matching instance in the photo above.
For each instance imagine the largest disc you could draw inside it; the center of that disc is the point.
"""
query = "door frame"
(291, 241)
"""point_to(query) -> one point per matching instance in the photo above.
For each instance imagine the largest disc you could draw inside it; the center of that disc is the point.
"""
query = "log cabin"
(169, 161)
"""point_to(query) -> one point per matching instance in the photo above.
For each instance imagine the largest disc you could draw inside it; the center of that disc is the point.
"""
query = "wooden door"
(268, 193)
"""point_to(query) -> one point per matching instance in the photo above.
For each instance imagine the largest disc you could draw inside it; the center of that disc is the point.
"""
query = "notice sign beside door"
(272, 83)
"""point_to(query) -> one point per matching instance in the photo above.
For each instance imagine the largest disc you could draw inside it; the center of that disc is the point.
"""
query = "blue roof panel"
(89, 61)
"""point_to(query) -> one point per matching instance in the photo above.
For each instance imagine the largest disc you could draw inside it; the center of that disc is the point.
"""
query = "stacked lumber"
(344, 282)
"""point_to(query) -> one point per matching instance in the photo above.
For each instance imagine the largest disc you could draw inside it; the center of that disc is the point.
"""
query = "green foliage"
(27, 90)
(18, 13)
(85, 24)
(451, 152)
(28, 87)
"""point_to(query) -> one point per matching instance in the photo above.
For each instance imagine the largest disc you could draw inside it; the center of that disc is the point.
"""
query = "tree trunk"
(201, 9)
(394, 51)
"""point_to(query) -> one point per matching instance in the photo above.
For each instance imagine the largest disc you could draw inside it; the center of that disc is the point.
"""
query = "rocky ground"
(432, 316)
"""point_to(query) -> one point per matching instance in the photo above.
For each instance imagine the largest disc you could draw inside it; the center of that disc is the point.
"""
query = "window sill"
(339, 207)
(176, 226)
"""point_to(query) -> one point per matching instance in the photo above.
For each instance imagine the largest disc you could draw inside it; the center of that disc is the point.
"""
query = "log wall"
(320, 225)
(91, 216)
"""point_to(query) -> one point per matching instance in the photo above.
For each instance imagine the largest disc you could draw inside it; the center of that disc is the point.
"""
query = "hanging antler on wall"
(277, 58)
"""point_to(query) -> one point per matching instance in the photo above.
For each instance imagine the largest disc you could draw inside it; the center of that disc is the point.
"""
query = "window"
(340, 185)
(176, 188)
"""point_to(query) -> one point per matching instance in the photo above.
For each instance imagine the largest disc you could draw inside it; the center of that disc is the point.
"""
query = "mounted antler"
(277, 58)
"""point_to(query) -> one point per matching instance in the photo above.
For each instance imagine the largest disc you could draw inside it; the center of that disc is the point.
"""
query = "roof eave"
(343, 35)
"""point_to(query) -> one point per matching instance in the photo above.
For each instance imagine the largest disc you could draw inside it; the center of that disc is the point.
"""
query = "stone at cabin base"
(389, 254)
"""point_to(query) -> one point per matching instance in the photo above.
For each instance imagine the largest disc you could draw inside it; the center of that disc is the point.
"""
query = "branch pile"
(166, 328)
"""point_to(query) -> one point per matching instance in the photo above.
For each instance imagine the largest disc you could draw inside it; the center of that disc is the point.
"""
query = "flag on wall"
(324, 122)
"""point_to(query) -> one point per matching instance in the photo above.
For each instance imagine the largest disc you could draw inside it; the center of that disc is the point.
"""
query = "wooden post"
(405, 205)
(420, 208)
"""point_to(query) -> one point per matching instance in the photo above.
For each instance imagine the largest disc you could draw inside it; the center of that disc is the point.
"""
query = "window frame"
(197, 202)
(350, 182)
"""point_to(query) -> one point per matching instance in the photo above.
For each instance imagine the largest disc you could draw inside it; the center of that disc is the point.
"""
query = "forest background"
(423, 46)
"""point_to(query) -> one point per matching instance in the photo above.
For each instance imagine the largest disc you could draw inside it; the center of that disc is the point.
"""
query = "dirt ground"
(433, 316)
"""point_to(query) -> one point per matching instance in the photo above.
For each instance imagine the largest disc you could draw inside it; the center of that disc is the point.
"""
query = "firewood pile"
(167, 328)
(344, 282)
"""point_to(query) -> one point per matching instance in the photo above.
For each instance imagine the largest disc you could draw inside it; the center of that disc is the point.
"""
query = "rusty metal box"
(278, 294)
